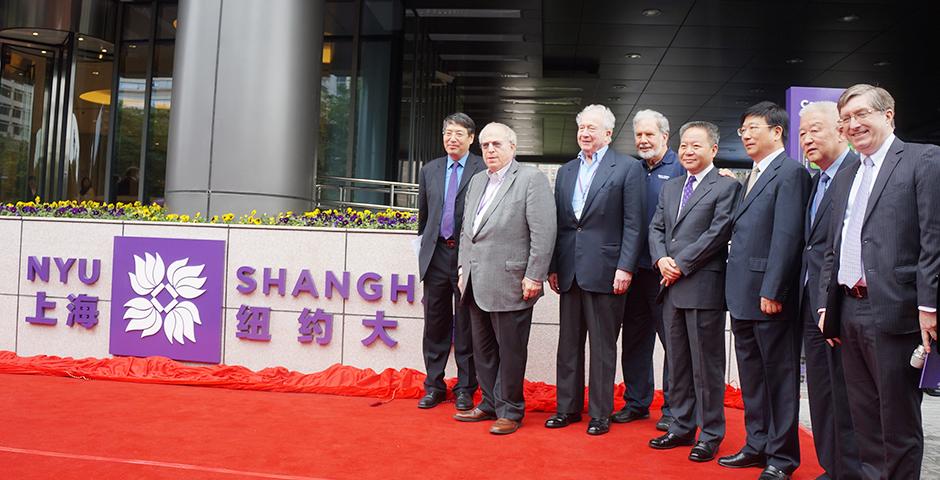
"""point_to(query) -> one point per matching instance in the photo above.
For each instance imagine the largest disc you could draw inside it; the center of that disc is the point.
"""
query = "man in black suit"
(833, 433)
(878, 285)
(762, 294)
(689, 242)
(441, 190)
(600, 205)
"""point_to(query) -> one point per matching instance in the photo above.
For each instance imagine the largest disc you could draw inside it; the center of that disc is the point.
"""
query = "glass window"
(335, 104)
(87, 163)
(160, 96)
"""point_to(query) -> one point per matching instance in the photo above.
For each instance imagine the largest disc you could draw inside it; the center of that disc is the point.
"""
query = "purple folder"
(930, 375)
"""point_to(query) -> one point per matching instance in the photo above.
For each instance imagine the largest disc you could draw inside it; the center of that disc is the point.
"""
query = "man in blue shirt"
(643, 316)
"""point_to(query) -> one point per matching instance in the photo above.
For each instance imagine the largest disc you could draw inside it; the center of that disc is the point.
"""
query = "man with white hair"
(599, 200)
(833, 433)
(643, 316)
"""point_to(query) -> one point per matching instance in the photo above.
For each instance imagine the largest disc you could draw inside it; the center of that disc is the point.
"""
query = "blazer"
(515, 238)
(900, 239)
(697, 238)
(611, 230)
(816, 234)
(767, 240)
(431, 203)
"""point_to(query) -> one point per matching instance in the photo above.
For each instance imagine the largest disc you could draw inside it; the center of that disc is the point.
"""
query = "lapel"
(840, 203)
(808, 223)
(567, 187)
(698, 193)
(762, 182)
(474, 165)
(436, 181)
(494, 204)
(891, 160)
(603, 170)
(826, 202)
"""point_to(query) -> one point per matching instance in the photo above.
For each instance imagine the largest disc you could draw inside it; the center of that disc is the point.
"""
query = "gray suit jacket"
(515, 238)
(697, 239)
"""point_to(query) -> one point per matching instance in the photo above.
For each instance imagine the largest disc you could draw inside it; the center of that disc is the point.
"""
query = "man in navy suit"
(441, 190)
(762, 293)
(689, 240)
(599, 200)
(643, 315)
(878, 284)
(833, 433)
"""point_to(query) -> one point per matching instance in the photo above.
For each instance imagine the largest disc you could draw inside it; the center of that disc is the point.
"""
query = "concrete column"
(245, 116)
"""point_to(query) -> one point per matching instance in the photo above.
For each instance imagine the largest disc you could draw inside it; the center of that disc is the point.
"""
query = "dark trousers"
(768, 365)
(500, 352)
(443, 325)
(642, 320)
(833, 433)
(884, 394)
(696, 358)
(599, 314)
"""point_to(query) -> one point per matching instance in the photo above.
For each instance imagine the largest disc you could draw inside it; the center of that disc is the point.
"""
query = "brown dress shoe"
(475, 415)
(504, 426)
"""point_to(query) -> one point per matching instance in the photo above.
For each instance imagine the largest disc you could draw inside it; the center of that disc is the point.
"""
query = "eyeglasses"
(859, 116)
(752, 129)
(458, 134)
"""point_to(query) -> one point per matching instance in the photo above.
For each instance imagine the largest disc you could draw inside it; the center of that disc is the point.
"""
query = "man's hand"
(530, 288)
(669, 269)
(928, 328)
(552, 282)
(622, 280)
(822, 324)
(770, 307)
(724, 172)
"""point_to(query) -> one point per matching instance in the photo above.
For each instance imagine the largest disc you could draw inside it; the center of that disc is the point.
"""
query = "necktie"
(850, 272)
(752, 179)
(686, 192)
(820, 191)
(450, 198)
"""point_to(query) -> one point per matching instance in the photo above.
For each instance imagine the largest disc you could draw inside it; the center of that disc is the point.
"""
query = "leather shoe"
(773, 473)
(670, 440)
(464, 401)
(743, 460)
(504, 426)
(703, 451)
(475, 415)
(664, 423)
(627, 416)
(431, 399)
(598, 426)
(560, 420)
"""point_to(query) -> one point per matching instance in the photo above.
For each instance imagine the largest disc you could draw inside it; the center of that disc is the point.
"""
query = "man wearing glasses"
(762, 293)
(878, 285)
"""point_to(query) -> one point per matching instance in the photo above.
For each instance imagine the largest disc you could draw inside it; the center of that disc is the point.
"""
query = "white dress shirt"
(698, 181)
(492, 186)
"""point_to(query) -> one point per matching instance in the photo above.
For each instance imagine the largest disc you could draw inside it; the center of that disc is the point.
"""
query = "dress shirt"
(492, 186)
(461, 164)
(698, 181)
(586, 172)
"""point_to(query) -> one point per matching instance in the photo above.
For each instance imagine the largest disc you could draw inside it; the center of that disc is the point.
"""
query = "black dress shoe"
(464, 401)
(703, 451)
(773, 473)
(560, 420)
(598, 426)
(743, 460)
(670, 440)
(431, 399)
(627, 416)
(664, 423)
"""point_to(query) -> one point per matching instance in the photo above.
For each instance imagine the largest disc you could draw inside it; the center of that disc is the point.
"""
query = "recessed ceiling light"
(81, 39)
(633, 55)
(613, 99)
(35, 34)
(44, 52)
(849, 18)
(132, 45)
(882, 63)
(651, 12)
(104, 50)
(618, 86)
(794, 60)
(94, 73)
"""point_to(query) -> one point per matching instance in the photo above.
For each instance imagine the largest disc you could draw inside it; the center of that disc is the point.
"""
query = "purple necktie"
(686, 192)
(450, 198)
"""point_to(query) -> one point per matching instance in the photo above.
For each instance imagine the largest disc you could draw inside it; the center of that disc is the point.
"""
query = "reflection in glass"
(132, 83)
(87, 147)
(159, 122)
(335, 85)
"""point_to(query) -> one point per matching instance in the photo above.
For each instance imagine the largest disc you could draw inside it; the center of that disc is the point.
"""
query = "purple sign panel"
(797, 98)
(167, 298)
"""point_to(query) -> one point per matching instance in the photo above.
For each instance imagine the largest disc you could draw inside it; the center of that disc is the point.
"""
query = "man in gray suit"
(689, 243)
(878, 284)
(599, 198)
(833, 433)
(441, 190)
(505, 250)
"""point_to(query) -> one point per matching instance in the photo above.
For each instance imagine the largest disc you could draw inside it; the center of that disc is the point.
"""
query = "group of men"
(842, 264)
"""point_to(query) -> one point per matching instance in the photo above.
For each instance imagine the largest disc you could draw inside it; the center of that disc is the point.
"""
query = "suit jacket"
(611, 230)
(697, 238)
(816, 234)
(431, 203)
(766, 242)
(515, 238)
(900, 239)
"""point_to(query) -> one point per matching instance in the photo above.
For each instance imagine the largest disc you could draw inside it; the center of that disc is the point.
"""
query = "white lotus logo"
(164, 298)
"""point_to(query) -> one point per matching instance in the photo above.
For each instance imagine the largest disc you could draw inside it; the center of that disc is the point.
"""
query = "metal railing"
(342, 192)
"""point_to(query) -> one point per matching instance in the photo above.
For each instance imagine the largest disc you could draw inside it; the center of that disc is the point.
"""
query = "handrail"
(398, 195)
